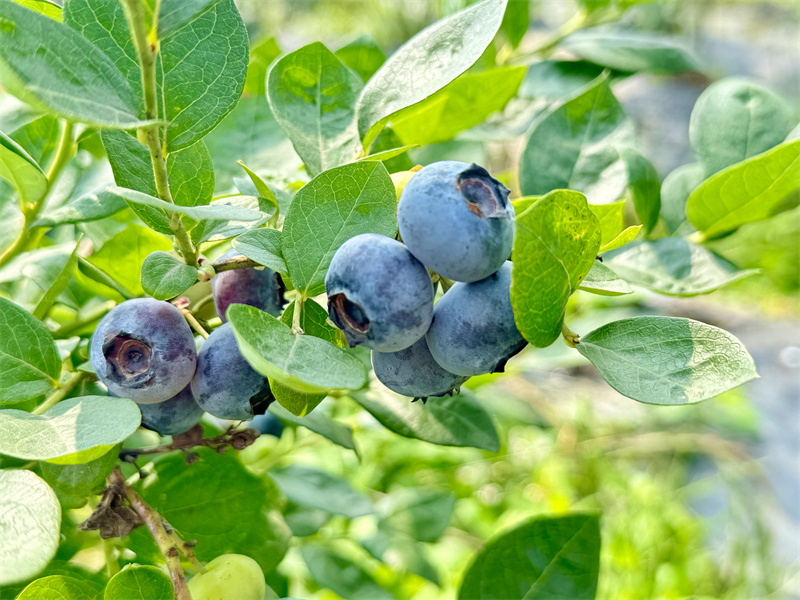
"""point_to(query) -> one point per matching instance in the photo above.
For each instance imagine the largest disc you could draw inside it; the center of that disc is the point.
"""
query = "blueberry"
(268, 424)
(262, 288)
(473, 329)
(144, 350)
(378, 293)
(172, 416)
(225, 385)
(457, 220)
(413, 372)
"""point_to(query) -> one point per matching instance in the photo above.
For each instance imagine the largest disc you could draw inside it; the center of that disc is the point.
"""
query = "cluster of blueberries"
(145, 351)
(453, 218)
(457, 221)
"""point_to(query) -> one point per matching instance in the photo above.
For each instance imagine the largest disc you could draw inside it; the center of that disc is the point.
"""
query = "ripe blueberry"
(225, 385)
(144, 350)
(457, 220)
(473, 329)
(172, 416)
(413, 372)
(378, 293)
(262, 288)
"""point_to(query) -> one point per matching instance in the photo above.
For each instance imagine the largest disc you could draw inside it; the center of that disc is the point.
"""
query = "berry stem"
(236, 262)
(151, 133)
(571, 338)
(62, 392)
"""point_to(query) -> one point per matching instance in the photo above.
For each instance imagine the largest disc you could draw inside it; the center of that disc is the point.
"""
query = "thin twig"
(90, 317)
(193, 438)
(62, 392)
(236, 262)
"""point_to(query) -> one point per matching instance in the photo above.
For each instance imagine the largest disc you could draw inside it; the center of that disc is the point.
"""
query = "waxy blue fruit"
(262, 288)
(172, 416)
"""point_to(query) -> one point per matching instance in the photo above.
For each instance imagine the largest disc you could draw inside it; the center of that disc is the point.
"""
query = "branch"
(193, 438)
(62, 392)
(134, 15)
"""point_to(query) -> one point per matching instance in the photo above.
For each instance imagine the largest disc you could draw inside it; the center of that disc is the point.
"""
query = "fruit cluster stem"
(165, 539)
(134, 15)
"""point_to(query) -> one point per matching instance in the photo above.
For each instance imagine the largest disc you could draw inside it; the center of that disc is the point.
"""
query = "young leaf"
(362, 55)
(457, 420)
(426, 63)
(56, 69)
(74, 484)
(626, 236)
(312, 95)
(315, 488)
(19, 168)
(465, 102)
(74, 431)
(675, 267)
(745, 192)
(734, 119)
(262, 55)
(603, 281)
(573, 146)
(335, 431)
(555, 244)
(29, 359)
(644, 186)
(30, 525)
(611, 218)
(38, 137)
(59, 587)
(675, 191)
(541, 559)
(330, 209)
(58, 285)
(199, 213)
(264, 247)
(139, 583)
(165, 276)
(89, 207)
(667, 360)
(303, 362)
(262, 189)
(330, 569)
(629, 50)
(45, 7)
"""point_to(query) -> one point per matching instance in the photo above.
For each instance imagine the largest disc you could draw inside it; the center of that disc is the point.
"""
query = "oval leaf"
(555, 244)
(542, 559)
(330, 569)
(315, 488)
(426, 63)
(264, 247)
(59, 587)
(199, 213)
(603, 281)
(74, 431)
(30, 526)
(29, 360)
(139, 583)
(303, 362)
(667, 360)
(90, 207)
(165, 276)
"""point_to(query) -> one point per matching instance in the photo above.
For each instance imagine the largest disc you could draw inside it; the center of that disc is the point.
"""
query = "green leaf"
(629, 50)
(557, 79)
(263, 190)
(386, 155)
(312, 95)
(74, 484)
(89, 207)
(189, 171)
(59, 587)
(462, 104)
(199, 213)
(555, 244)
(676, 267)
(335, 431)
(573, 146)
(215, 230)
(644, 185)
(38, 137)
(19, 168)
(262, 56)
(30, 525)
(29, 359)
(10, 216)
(426, 63)
(363, 56)
(139, 583)
(667, 360)
(516, 21)
(610, 217)
(264, 247)
(421, 513)
(58, 285)
(735, 119)
(626, 236)
(165, 276)
(330, 569)
(745, 192)
(603, 281)
(45, 7)
(303, 362)
(457, 420)
(675, 191)
(313, 322)
(123, 254)
(330, 209)
(315, 488)
(56, 69)
(541, 559)
(74, 431)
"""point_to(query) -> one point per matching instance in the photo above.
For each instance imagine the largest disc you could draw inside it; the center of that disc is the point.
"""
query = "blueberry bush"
(210, 238)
